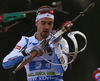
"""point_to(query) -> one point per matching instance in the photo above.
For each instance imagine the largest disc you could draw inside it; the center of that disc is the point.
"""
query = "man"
(38, 69)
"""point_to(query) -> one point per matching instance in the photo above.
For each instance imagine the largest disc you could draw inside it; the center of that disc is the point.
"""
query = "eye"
(43, 23)
(50, 23)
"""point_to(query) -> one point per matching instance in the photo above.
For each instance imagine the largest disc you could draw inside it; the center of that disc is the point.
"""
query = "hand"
(34, 48)
(39, 48)
(69, 24)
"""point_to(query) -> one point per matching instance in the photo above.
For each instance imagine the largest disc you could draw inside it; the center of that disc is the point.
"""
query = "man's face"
(44, 27)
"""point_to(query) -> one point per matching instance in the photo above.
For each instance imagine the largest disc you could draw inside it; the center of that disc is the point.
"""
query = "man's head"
(44, 22)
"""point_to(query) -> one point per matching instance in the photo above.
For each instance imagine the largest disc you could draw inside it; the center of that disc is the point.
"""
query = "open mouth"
(46, 32)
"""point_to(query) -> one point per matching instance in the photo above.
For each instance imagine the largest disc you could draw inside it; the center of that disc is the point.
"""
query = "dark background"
(85, 63)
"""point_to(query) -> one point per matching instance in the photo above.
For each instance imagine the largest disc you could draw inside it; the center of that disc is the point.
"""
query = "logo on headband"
(48, 15)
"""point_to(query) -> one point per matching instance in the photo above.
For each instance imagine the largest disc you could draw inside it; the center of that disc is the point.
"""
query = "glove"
(34, 48)
(39, 48)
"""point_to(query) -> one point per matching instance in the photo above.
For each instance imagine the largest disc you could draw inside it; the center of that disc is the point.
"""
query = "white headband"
(39, 16)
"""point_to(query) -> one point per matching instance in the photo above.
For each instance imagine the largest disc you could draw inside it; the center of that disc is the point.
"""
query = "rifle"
(60, 31)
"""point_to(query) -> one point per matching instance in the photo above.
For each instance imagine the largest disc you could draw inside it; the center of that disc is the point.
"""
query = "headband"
(39, 16)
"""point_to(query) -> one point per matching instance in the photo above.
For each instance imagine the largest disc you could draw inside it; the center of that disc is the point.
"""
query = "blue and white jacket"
(39, 69)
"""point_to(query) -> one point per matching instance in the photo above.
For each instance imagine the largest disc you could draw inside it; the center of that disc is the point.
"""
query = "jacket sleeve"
(15, 56)
(61, 58)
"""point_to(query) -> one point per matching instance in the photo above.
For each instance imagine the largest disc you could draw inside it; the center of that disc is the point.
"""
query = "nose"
(46, 26)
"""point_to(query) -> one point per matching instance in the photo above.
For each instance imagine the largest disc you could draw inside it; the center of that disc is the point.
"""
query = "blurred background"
(86, 62)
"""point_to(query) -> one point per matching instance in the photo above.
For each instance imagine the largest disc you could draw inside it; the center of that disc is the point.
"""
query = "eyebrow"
(48, 22)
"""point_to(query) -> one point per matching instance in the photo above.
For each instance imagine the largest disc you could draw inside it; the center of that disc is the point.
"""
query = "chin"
(45, 36)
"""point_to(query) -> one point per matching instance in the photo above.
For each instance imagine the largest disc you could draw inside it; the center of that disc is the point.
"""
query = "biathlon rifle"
(60, 31)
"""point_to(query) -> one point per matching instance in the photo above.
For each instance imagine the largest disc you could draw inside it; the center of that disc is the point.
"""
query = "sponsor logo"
(45, 78)
(41, 73)
(62, 61)
(48, 15)
(30, 43)
(18, 47)
(36, 65)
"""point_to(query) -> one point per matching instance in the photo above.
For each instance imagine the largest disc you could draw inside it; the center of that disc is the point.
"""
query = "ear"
(36, 24)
